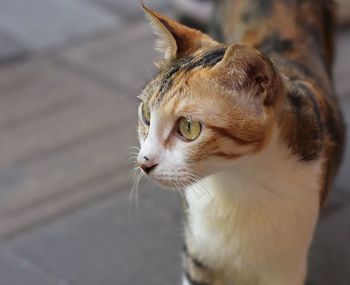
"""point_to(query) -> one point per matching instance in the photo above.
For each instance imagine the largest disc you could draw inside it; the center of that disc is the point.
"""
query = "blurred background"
(70, 71)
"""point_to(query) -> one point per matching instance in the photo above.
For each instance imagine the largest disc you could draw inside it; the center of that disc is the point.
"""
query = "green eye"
(146, 115)
(189, 129)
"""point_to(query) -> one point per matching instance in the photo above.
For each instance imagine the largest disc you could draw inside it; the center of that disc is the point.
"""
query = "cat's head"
(210, 105)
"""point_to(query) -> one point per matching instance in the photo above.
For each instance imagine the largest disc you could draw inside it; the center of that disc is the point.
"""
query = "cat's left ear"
(175, 40)
(246, 71)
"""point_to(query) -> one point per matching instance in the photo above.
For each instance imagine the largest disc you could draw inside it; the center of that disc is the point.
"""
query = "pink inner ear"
(243, 68)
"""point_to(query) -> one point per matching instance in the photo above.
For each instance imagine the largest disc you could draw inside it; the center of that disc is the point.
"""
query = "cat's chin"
(171, 184)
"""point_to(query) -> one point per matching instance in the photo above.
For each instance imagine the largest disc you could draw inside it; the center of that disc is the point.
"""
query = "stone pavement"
(67, 120)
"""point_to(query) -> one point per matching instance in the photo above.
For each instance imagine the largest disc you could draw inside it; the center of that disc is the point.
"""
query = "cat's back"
(298, 36)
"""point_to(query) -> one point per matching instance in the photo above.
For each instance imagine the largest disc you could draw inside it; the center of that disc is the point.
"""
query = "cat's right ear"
(175, 40)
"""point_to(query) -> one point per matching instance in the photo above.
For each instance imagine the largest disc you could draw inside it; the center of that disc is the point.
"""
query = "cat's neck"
(272, 176)
(254, 210)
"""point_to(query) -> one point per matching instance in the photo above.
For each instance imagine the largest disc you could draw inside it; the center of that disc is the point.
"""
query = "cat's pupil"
(188, 126)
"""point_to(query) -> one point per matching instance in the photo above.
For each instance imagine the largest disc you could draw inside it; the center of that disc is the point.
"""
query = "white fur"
(165, 43)
(254, 223)
(171, 169)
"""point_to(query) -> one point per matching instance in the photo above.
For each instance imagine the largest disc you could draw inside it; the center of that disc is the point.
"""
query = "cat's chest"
(241, 226)
(225, 233)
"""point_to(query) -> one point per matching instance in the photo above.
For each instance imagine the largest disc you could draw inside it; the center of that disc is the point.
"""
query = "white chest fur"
(254, 223)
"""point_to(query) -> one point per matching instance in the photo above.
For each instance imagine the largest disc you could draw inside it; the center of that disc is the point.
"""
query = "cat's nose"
(147, 165)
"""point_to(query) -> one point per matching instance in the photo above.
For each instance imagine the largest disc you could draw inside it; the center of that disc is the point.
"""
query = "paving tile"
(43, 24)
(80, 119)
(104, 245)
(61, 134)
(19, 74)
(338, 199)
(64, 181)
(90, 108)
(15, 270)
(10, 49)
(124, 57)
(342, 64)
(20, 99)
(330, 253)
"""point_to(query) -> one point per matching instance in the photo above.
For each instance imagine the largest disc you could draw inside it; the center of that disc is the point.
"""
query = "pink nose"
(147, 165)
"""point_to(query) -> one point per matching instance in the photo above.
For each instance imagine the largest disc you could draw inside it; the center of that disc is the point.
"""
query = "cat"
(250, 132)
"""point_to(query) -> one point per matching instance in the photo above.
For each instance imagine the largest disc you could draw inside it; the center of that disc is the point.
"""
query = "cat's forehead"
(170, 102)
(175, 76)
(197, 100)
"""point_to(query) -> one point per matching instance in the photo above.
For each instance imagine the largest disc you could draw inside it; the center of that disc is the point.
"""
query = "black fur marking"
(302, 69)
(329, 18)
(260, 8)
(184, 249)
(307, 142)
(265, 7)
(315, 106)
(195, 261)
(246, 17)
(167, 80)
(208, 59)
(256, 11)
(315, 33)
(275, 43)
(194, 282)
(317, 42)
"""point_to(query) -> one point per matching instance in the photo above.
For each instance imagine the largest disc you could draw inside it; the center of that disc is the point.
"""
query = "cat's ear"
(245, 69)
(175, 40)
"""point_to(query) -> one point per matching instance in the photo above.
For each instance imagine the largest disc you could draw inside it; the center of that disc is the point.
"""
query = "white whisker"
(134, 190)
(148, 70)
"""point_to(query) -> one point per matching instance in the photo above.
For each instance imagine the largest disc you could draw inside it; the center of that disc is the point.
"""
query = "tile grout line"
(107, 174)
(49, 110)
(35, 266)
(111, 85)
(98, 196)
(71, 144)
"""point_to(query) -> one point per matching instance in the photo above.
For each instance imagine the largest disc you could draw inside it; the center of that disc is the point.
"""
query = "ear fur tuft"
(166, 43)
(175, 40)
(245, 68)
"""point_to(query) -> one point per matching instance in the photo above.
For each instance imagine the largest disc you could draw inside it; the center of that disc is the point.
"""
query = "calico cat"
(250, 131)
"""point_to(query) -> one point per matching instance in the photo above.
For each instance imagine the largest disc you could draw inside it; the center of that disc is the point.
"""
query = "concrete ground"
(69, 74)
